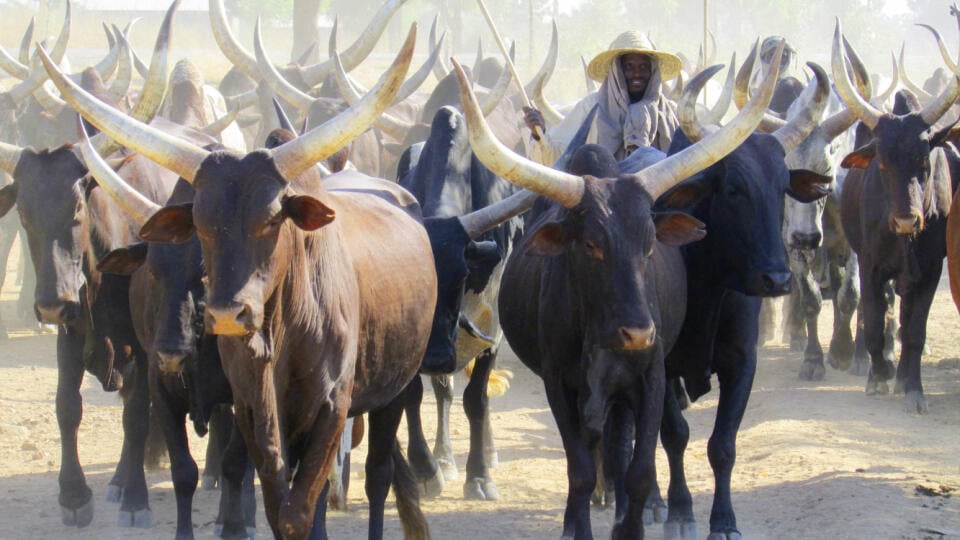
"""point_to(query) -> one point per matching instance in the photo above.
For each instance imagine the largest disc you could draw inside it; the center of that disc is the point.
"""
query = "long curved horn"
(361, 48)
(549, 63)
(716, 114)
(9, 157)
(665, 174)
(244, 100)
(480, 221)
(867, 113)
(499, 90)
(937, 107)
(591, 84)
(25, 42)
(51, 103)
(228, 43)
(217, 126)
(169, 151)
(296, 156)
(479, 57)
(12, 66)
(416, 80)
(943, 48)
(800, 126)
(121, 84)
(441, 69)
(155, 85)
(687, 104)
(274, 79)
(132, 201)
(551, 115)
(282, 117)
(564, 188)
(909, 84)
(389, 124)
(879, 100)
(741, 92)
(861, 77)
(108, 64)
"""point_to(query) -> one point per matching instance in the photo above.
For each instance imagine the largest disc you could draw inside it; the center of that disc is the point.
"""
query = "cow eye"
(593, 250)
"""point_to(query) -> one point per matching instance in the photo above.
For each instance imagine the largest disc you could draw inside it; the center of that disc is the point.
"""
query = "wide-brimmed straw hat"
(636, 43)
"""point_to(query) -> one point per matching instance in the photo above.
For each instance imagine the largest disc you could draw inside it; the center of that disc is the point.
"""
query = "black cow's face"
(900, 151)
(456, 257)
(49, 198)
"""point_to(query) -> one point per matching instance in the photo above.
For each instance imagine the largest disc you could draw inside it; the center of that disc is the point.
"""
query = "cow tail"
(415, 525)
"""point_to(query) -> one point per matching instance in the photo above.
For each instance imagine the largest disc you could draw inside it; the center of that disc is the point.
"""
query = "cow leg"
(811, 302)
(735, 361)
(221, 422)
(641, 475)
(914, 310)
(385, 466)
(425, 468)
(135, 507)
(262, 436)
(8, 233)
(479, 485)
(75, 498)
(236, 523)
(27, 279)
(616, 448)
(794, 330)
(581, 471)
(183, 468)
(890, 326)
(674, 435)
(874, 310)
(442, 449)
(768, 324)
(845, 301)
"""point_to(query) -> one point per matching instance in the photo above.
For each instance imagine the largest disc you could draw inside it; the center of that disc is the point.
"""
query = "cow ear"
(308, 212)
(171, 225)
(678, 229)
(947, 134)
(125, 260)
(861, 157)
(8, 198)
(807, 186)
(684, 195)
(548, 241)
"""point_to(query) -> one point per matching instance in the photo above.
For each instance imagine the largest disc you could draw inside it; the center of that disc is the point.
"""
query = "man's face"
(637, 69)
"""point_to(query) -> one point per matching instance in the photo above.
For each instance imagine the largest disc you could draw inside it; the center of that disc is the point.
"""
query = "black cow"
(589, 297)
(740, 199)
(449, 181)
(895, 218)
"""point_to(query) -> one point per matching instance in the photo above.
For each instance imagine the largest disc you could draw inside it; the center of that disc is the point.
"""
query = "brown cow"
(315, 318)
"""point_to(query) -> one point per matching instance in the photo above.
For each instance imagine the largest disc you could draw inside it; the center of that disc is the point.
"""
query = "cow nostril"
(637, 337)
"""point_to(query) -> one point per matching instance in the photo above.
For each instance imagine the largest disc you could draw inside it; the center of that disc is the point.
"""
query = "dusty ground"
(815, 460)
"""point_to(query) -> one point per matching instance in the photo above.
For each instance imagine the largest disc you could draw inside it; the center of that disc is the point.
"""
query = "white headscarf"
(623, 126)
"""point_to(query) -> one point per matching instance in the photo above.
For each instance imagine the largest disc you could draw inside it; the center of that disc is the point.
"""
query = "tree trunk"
(305, 31)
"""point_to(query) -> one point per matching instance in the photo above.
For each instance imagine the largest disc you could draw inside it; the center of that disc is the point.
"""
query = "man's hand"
(534, 120)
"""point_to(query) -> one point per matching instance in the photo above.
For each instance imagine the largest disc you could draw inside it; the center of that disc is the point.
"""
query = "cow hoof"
(602, 499)
(114, 493)
(732, 535)
(480, 489)
(448, 468)
(810, 371)
(654, 512)
(432, 487)
(77, 517)
(915, 402)
(138, 519)
(860, 367)
(209, 483)
(249, 533)
(680, 530)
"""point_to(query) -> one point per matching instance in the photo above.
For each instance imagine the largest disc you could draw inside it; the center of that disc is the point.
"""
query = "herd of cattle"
(277, 294)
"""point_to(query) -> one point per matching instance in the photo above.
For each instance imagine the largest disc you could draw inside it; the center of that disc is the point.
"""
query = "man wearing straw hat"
(633, 112)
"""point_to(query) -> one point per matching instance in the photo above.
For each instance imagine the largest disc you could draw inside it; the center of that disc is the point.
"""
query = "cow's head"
(901, 151)
(247, 210)
(744, 203)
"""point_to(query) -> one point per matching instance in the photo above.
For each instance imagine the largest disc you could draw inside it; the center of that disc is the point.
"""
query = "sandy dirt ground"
(815, 460)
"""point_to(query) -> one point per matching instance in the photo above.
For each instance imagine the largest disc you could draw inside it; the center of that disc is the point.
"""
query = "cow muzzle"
(775, 283)
(235, 319)
(171, 362)
(801, 240)
(636, 337)
(56, 313)
(910, 224)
